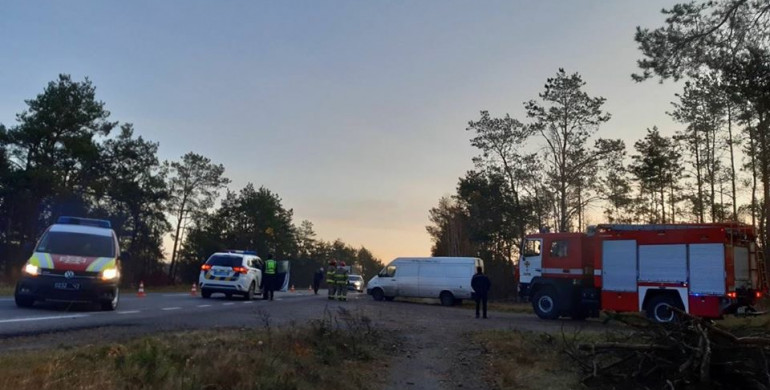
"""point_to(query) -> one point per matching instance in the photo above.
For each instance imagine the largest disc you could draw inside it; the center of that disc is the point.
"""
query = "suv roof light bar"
(102, 223)
(243, 252)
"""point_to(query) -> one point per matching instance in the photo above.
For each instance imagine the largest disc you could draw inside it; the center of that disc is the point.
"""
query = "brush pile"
(691, 353)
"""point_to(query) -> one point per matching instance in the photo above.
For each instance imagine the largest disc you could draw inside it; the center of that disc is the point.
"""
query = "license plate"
(66, 286)
(221, 272)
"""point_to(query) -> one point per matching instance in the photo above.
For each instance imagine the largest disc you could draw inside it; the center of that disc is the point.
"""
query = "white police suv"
(234, 272)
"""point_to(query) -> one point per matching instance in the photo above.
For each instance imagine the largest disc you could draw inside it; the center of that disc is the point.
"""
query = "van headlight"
(110, 274)
(31, 270)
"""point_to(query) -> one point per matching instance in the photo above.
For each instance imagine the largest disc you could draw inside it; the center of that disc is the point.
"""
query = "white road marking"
(247, 302)
(228, 303)
(171, 308)
(43, 318)
(129, 312)
(175, 295)
(204, 305)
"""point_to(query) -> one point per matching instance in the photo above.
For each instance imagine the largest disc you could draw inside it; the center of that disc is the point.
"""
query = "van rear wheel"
(447, 299)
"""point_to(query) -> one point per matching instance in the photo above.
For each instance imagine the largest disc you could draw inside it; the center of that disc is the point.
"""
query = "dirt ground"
(432, 347)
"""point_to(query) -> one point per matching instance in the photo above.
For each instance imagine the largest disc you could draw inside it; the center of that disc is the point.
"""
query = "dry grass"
(266, 358)
(525, 360)
(6, 289)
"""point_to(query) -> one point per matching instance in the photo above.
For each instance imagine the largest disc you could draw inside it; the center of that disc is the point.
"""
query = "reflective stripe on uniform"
(270, 266)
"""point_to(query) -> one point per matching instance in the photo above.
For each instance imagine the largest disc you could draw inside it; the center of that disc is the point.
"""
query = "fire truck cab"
(707, 270)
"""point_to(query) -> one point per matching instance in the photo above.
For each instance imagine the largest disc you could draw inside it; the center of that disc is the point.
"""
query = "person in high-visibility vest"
(331, 282)
(271, 267)
(341, 275)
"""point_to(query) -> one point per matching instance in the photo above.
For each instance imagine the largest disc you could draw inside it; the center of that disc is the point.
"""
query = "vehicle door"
(531, 264)
(408, 280)
(255, 270)
(387, 280)
(282, 275)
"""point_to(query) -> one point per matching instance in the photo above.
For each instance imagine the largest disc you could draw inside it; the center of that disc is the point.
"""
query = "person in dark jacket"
(480, 284)
(318, 276)
(269, 276)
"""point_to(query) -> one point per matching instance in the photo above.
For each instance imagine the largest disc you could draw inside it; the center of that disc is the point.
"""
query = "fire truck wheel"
(544, 303)
(658, 309)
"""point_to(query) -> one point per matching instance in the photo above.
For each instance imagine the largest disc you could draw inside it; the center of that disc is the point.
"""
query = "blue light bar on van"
(242, 252)
(102, 223)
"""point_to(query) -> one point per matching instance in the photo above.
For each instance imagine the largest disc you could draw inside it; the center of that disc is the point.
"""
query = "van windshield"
(388, 271)
(77, 244)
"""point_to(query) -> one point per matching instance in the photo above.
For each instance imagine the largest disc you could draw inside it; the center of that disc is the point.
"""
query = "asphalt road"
(48, 325)
(157, 311)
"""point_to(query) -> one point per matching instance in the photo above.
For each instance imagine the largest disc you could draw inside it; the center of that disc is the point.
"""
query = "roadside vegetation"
(265, 357)
(637, 354)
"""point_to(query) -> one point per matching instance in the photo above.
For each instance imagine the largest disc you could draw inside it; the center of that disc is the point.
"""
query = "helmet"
(342, 263)
(332, 262)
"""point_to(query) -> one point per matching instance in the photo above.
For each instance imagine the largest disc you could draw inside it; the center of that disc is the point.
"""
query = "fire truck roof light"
(102, 223)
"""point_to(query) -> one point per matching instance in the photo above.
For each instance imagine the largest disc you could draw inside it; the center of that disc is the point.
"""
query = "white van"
(445, 278)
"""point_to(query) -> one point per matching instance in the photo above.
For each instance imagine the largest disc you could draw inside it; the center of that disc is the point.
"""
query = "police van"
(75, 260)
(234, 272)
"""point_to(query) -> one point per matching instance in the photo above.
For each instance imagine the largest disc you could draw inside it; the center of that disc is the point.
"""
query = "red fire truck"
(707, 270)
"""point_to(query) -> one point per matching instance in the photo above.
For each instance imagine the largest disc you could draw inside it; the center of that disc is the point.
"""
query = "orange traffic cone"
(141, 293)
(310, 288)
(194, 290)
(292, 288)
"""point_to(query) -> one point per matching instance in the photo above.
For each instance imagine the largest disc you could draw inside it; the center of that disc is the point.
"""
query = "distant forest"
(65, 156)
(549, 170)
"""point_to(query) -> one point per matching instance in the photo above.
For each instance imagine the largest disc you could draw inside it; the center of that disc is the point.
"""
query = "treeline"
(551, 171)
(64, 156)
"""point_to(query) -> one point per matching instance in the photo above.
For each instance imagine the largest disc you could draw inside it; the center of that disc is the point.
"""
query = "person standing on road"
(341, 275)
(480, 284)
(331, 280)
(269, 273)
(317, 277)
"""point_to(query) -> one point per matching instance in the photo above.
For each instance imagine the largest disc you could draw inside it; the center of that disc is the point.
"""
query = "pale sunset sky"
(353, 112)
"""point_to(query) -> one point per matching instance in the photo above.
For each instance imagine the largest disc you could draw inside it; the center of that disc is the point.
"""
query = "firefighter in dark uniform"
(341, 275)
(331, 282)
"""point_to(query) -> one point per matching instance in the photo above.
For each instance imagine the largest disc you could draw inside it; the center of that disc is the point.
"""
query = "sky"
(353, 112)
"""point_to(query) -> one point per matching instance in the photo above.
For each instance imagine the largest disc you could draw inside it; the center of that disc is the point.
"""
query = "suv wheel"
(249, 294)
(206, 294)
(112, 304)
(22, 301)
